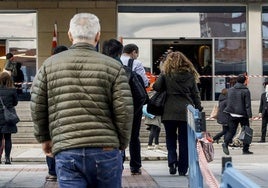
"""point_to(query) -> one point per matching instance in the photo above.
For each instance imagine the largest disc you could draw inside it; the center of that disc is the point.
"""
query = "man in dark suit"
(263, 111)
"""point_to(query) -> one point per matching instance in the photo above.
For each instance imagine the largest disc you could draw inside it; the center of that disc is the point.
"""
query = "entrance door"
(199, 51)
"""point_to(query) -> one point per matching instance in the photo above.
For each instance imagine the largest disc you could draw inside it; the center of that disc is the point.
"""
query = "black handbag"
(156, 103)
(246, 135)
(10, 117)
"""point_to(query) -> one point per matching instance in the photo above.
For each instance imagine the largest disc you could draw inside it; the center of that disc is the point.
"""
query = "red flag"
(55, 38)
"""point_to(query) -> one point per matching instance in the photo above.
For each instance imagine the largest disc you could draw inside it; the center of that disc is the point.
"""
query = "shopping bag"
(214, 112)
(207, 146)
(246, 135)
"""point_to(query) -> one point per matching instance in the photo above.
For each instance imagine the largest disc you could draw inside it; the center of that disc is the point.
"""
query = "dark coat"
(263, 109)
(222, 117)
(10, 100)
(239, 101)
(181, 90)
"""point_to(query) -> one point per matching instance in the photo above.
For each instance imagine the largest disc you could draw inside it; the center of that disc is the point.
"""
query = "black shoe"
(216, 140)
(225, 149)
(8, 161)
(261, 141)
(182, 173)
(247, 152)
(136, 172)
(51, 178)
(173, 169)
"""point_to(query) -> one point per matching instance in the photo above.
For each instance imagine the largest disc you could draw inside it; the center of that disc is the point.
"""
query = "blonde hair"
(6, 80)
(177, 62)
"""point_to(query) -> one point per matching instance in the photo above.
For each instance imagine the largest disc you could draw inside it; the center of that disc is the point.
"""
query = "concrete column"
(254, 43)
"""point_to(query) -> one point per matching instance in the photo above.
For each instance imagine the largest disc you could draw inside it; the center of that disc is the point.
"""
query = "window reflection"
(230, 56)
(18, 36)
(265, 40)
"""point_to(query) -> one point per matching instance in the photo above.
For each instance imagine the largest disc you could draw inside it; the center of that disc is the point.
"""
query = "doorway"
(199, 51)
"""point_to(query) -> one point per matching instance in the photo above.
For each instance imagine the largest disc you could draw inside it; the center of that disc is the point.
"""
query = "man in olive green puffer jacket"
(82, 109)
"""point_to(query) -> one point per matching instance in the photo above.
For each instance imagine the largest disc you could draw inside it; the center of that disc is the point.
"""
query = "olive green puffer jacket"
(81, 98)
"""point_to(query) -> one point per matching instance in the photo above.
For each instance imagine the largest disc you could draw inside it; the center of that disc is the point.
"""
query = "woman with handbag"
(179, 80)
(9, 98)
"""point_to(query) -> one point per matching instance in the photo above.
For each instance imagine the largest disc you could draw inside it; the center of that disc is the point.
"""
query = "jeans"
(89, 167)
(177, 130)
(51, 165)
(134, 144)
(233, 123)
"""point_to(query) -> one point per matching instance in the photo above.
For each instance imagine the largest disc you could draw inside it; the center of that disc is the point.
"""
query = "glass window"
(265, 40)
(230, 56)
(174, 21)
(18, 25)
(18, 36)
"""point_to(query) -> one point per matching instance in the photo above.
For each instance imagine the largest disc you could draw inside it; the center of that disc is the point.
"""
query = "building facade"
(233, 36)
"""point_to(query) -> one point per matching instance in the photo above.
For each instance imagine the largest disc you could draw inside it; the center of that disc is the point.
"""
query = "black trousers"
(264, 127)
(233, 123)
(154, 135)
(8, 143)
(135, 145)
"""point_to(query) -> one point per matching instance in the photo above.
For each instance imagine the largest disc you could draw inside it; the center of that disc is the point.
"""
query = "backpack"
(139, 93)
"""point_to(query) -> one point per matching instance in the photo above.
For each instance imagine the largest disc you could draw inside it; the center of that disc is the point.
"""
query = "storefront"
(218, 34)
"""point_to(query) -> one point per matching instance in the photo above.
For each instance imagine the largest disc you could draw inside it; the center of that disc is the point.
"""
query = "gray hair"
(84, 26)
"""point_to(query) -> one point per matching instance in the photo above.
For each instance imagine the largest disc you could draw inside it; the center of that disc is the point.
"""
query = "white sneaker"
(156, 147)
(150, 148)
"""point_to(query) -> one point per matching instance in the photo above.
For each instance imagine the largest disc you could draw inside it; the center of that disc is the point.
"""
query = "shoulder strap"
(130, 63)
(2, 102)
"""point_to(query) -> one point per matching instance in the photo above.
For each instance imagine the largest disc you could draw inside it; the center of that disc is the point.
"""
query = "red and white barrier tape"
(231, 76)
(210, 179)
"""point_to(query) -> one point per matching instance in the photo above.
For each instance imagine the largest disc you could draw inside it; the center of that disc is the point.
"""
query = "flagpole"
(55, 38)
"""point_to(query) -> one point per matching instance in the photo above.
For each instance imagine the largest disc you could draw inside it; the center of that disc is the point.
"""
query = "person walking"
(9, 98)
(154, 125)
(179, 79)
(263, 111)
(222, 117)
(131, 51)
(239, 110)
(10, 65)
(51, 164)
(81, 110)
(113, 48)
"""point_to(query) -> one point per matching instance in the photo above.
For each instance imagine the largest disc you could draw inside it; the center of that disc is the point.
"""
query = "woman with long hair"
(179, 79)
(9, 97)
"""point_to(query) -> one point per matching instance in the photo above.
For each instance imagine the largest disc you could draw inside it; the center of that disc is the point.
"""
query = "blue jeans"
(89, 167)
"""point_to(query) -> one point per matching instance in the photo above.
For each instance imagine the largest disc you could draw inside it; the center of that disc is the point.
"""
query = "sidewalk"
(28, 169)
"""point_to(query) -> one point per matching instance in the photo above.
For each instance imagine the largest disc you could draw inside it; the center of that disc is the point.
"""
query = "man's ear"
(97, 37)
(70, 36)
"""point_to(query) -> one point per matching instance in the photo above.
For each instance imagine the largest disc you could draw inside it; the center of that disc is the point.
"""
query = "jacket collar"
(240, 86)
(83, 45)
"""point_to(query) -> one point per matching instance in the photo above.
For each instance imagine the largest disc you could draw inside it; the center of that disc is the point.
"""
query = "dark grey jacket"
(222, 117)
(81, 98)
(181, 90)
(263, 109)
(10, 99)
(239, 101)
